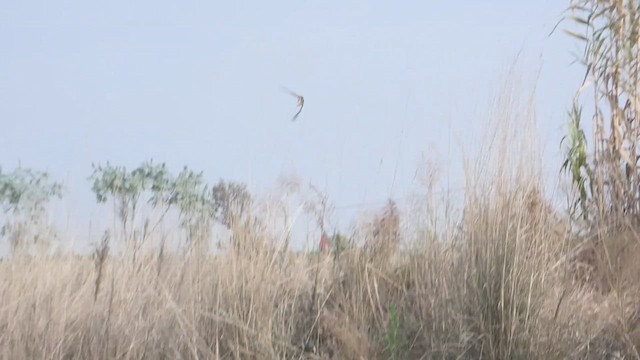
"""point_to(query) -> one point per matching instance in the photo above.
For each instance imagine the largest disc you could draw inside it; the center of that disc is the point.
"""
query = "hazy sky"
(386, 85)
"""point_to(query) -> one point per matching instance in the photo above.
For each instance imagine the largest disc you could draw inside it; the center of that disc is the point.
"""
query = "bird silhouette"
(300, 101)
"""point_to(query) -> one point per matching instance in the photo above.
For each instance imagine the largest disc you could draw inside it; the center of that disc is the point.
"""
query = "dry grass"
(508, 282)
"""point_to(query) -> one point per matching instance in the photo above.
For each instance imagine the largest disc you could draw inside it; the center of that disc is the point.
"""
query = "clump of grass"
(395, 340)
(100, 258)
(384, 238)
(576, 163)
(506, 244)
(608, 29)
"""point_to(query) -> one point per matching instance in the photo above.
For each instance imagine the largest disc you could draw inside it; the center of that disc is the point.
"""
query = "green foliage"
(189, 195)
(608, 30)
(116, 182)
(575, 163)
(26, 192)
(339, 243)
(189, 192)
(200, 205)
(395, 338)
(197, 204)
(126, 188)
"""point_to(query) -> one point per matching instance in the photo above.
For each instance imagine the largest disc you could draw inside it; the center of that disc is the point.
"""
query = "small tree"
(195, 207)
(201, 206)
(126, 189)
(230, 201)
(24, 194)
(198, 206)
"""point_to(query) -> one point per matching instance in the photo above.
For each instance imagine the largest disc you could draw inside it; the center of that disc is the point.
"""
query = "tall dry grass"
(504, 283)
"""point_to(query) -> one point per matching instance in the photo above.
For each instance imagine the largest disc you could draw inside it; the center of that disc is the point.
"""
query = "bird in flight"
(300, 102)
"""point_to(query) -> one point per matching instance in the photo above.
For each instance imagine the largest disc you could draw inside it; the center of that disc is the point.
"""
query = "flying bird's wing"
(300, 101)
(301, 104)
(290, 92)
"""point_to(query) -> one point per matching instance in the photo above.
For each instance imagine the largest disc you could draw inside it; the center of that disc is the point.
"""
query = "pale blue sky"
(199, 85)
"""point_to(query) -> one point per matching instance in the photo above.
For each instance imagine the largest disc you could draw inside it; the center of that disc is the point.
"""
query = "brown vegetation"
(513, 278)
(507, 285)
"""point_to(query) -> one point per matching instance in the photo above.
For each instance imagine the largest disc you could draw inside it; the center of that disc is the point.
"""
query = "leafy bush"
(198, 206)
(24, 194)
